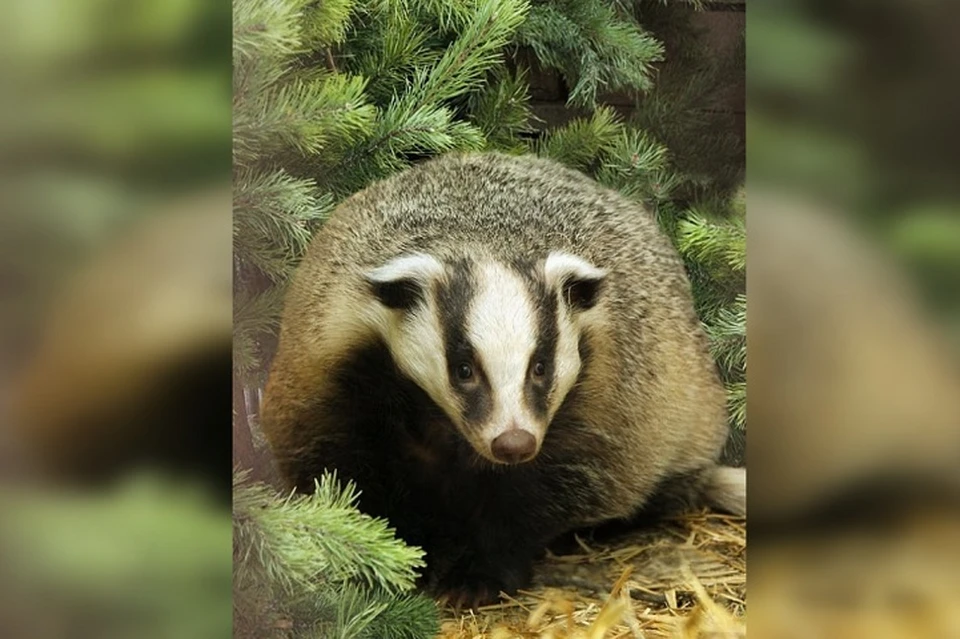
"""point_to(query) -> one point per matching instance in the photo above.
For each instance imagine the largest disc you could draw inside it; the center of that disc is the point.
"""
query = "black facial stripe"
(537, 390)
(453, 305)
(477, 402)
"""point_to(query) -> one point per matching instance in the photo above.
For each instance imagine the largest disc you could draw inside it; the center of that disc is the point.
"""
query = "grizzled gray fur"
(497, 350)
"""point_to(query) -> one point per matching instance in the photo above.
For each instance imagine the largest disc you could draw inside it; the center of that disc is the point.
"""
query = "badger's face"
(495, 346)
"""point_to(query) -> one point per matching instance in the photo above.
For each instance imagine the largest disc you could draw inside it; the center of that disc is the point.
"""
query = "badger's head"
(495, 346)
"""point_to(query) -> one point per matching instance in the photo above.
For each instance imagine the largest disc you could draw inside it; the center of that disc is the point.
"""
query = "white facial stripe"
(416, 343)
(414, 336)
(502, 327)
(567, 358)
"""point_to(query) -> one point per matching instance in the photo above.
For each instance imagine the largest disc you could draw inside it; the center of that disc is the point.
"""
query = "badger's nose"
(514, 446)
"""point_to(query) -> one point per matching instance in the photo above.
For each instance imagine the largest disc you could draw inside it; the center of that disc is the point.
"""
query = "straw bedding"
(685, 577)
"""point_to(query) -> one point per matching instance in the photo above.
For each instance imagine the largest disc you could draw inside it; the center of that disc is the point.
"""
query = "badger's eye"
(464, 371)
(539, 369)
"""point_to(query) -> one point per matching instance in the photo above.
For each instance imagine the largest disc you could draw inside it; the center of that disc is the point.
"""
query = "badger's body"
(496, 350)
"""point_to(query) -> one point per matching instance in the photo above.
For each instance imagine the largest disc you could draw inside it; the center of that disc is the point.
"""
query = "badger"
(496, 350)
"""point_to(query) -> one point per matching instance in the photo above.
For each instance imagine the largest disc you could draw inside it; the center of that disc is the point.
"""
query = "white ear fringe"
(419, 267)
(560, 267)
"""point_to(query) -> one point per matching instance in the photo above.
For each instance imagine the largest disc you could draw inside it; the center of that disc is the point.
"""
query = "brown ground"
(684, 578)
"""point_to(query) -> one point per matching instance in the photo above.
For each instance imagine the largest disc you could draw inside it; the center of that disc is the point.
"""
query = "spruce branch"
(450, 15)
(322, 568)
(418, 120)
(720, 243)
(274, 217)
(474, 52)
(389, 52)
(501, 110)
(581, 142)
(306, 542)
(633, 153)
(266, 29)
(354, 613)
(737, 405)
(595, 47)
(304, 115)
(356, 610)
(639, 167)
(408, 616)
(325, 22)
(727, 331)
(255, 315)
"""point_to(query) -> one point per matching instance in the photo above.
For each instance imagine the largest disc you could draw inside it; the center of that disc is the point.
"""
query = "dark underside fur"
(481, 525)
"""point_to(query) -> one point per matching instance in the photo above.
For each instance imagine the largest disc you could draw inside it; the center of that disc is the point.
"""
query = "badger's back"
(648, 404)
(500, 205)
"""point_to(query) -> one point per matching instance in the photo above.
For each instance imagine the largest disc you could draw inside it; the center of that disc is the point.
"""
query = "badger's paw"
(470, 596)
(469, 589)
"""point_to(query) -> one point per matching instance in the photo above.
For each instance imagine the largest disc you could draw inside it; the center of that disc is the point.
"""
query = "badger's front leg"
(502, 527)
(476, 567)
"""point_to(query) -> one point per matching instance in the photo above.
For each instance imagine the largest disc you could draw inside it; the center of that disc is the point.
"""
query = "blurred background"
(853, 264)
(115, 318)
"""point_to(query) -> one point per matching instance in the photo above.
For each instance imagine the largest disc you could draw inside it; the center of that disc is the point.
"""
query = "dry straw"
(685, 578)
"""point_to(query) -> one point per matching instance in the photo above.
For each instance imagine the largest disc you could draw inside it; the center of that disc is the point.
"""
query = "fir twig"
(307, 541)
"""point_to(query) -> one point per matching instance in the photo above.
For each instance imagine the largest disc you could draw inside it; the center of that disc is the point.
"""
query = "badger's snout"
(514, 446)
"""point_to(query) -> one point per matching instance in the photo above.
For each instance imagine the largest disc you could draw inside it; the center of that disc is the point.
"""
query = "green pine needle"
(501, 110)
(274, 216)
(254, 315)
(477, 50)
(325, 22)
(302, 115)
(594, 47)
(450, 15)
(265, 29)
(638, 166)
(354, 613)
(579, 143)
(409, 616)
(305, 542)
(737, 405)
(720, 243)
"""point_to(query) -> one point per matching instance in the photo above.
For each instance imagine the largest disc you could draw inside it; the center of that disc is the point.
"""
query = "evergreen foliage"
(713, 239)
(594, 45)
(314, 565)
(686, 109)
(331, 96)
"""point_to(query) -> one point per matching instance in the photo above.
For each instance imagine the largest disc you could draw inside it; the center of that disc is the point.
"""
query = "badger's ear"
(578, 280)
(402, 282)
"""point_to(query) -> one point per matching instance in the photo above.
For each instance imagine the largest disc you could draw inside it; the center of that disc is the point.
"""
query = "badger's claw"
(469, 596)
